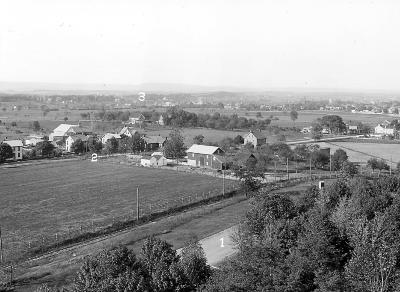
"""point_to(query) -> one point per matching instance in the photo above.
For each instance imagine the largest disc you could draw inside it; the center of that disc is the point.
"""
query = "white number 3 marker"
(222, 242)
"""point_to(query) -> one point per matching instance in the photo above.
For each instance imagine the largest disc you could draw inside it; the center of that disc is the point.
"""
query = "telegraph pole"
(223, 180)
(330, 166)
(1, 247)
(137, 203)
(287, 168)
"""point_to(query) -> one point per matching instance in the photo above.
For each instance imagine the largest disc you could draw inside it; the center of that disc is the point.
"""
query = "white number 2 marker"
(222, 242)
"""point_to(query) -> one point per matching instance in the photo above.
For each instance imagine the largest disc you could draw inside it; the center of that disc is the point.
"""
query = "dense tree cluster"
(109, 115)
(180, 118)
(157, 268)
(346, 238)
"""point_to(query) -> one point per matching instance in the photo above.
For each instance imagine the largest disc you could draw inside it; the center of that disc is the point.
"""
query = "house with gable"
(63, 131)
(255, 138)
(385, 129)
(128, 131)
(16, 146)
(108, 136)
(72, 139)
(137, 119)
(205, 156)
(154, 142)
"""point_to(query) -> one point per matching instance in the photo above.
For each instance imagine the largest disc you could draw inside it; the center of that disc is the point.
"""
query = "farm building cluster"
(65, 136)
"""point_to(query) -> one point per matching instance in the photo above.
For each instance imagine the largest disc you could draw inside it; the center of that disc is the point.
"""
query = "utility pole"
(275, 171)
(223, 180)
(390, 169)
(1, 247)
(287, 168)
(137, 203)
(330, 166)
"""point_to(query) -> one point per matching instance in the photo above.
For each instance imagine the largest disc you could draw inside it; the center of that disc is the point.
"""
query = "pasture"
(362, 152)
(52, 198)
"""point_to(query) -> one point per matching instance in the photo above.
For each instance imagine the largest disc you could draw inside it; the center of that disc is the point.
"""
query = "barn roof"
(203, 149)
(62, 129)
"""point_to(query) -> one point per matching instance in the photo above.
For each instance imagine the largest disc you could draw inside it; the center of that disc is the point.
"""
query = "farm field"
(361, 152)
(48, 199)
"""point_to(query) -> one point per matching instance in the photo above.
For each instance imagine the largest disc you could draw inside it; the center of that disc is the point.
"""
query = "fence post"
(11, 275)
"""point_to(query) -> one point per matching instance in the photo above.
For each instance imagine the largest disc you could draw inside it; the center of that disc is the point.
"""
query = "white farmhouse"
(255, 138)
(384, 130)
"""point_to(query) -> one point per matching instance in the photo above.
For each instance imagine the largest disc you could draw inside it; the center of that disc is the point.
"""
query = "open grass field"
(51, 198)
(361, 152)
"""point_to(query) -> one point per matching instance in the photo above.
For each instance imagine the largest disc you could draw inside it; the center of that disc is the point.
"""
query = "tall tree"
(36, 126)
(6, 152)
(78, 146)
(338, 158)
(199, 139)
(136, 143)
(45, 148)
(111, 146)
(334, 123)
(116, 269)
(294, 116)
(175, 147)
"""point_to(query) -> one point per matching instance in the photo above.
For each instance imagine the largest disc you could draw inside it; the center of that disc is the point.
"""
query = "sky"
(257, 44)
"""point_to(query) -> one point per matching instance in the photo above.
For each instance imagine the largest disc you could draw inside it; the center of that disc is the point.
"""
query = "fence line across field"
(14, 250)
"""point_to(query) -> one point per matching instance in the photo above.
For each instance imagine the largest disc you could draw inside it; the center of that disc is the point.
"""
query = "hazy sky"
(323, 44)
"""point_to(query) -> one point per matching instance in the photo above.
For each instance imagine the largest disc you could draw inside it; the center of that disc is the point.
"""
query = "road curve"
(218, 246)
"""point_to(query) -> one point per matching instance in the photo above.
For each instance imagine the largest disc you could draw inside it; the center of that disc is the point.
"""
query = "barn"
(205, 156)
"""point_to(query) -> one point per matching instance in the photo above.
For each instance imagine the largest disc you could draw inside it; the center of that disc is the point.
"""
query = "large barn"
(205, 156)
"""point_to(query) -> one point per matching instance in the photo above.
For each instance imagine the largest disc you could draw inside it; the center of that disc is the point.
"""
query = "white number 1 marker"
(222, 242)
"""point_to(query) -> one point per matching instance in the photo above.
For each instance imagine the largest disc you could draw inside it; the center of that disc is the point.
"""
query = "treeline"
(180, 118)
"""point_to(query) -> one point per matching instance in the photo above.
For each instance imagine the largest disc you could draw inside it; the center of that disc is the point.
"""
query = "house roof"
(81, 129)
(258, 135)
(110, 135)
(383, 126)
(203, 149)
(243, 157)
(62, 129)
(157, 157)
(157, 153)
(13, 143)
(146, 157)
(137, 116)
(128, 129)
(154, 139)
